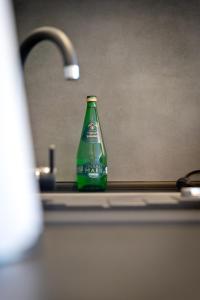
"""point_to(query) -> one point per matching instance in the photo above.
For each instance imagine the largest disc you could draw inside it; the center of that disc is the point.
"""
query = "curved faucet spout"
(71, 68)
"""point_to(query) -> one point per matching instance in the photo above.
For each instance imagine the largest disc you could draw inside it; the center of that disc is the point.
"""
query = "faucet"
(46, 175)
(70, 62)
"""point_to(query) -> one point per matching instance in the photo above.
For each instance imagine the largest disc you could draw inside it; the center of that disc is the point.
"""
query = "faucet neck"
(55, 35)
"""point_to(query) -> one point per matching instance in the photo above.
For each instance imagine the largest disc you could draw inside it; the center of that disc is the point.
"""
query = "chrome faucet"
(46, 175)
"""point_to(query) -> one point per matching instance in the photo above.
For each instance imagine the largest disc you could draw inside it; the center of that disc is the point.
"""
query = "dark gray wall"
(142, 59)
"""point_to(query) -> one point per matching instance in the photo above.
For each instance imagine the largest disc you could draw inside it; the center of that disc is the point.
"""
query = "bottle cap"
(91, 98)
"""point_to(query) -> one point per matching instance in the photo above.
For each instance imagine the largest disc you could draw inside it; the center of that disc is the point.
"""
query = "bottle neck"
(91, 104)
(91, 114)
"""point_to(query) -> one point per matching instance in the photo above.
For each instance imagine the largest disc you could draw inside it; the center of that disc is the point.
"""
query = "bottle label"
(92, 170)
(91, 133)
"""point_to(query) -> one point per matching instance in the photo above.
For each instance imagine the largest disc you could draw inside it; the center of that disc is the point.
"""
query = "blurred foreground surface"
(108, 262)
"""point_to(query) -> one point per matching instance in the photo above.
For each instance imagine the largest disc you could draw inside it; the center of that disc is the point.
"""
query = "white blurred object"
(20, 212)
(190, 193)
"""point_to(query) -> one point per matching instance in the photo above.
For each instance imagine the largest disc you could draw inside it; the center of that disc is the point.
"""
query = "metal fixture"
(46, 175)
(186, 180)
(70, 62)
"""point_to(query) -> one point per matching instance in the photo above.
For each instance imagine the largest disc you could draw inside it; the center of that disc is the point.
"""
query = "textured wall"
(142, 59)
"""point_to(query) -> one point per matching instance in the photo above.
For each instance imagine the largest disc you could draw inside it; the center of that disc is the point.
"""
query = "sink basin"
(114, 208)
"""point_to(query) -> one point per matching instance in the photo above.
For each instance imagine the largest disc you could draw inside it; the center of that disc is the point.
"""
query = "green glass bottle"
(91, 155)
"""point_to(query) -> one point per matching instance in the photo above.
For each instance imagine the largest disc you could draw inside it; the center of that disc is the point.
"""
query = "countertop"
(79, 261)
